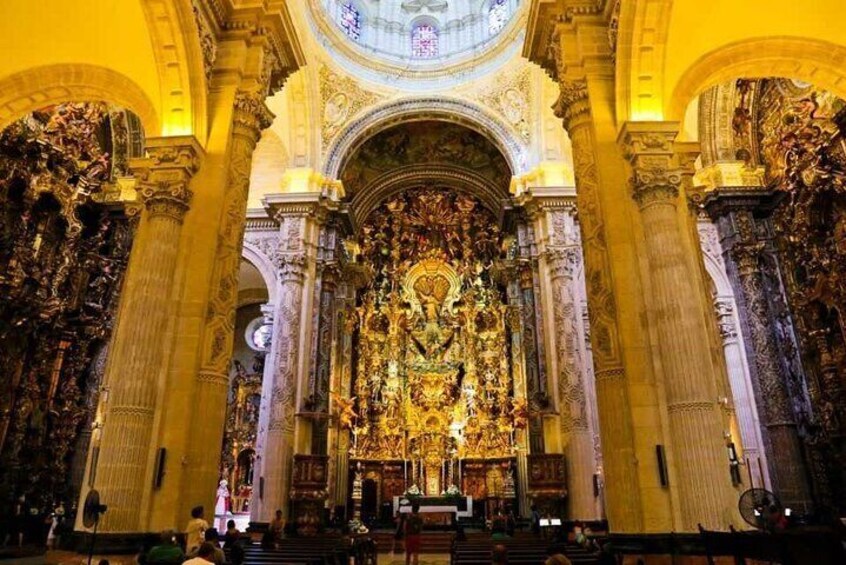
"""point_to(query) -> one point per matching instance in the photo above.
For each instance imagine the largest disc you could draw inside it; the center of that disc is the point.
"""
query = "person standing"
(413, 532)
(276, 527)
(194, 531)
(400, 532)
(536, 529)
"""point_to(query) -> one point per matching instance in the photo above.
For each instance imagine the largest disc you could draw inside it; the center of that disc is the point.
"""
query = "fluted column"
(134, 374)
(695, 421)
(612, 395)
(250, 117)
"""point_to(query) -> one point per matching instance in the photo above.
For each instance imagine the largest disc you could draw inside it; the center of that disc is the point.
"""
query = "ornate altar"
(65, 237)
(432, 383)
(239, 438)
(308, 491)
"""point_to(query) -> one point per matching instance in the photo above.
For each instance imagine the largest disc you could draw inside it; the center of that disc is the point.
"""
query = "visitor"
(56, 520)
(276, 527)
(499, 525)
(400, 531)
(205, 555)
(106, 562)
(213, 537)
(510, 523)
(167, 551)
(558, 559)
(194, 531)
(16, 522)
(579, 535)
(413, 532)
(535, 520)
(232, 534)
(499, 555)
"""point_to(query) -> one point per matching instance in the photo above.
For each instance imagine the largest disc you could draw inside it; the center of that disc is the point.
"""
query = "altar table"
(461, 506)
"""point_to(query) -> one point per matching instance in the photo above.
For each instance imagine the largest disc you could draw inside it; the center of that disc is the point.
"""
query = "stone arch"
(29, 90)
(252, 254)
(367, 200)
(176, 45)
(818, 62)
(421, 109)
(667, 52)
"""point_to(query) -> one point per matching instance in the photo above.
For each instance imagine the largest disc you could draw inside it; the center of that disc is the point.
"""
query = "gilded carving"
(512, 99)
(341, 98)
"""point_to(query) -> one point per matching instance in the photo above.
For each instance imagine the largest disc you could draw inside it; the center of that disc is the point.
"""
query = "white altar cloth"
(425, 509)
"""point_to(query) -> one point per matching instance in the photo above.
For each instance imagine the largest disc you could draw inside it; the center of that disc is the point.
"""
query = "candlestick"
(404, 475)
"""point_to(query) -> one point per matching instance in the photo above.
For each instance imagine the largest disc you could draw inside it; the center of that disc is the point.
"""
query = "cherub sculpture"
(345, 410)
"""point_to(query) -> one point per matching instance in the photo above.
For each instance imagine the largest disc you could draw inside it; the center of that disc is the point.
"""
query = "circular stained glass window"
(258, 334)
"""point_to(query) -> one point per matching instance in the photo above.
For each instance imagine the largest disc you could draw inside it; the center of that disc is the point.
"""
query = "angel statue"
(519, 413)
(344, 410)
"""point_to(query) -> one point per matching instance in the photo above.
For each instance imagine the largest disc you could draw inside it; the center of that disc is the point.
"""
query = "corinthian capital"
(563, 261)
(648, 146)
(573, 104)
(162, 177)
(292, 267)
(251, 112)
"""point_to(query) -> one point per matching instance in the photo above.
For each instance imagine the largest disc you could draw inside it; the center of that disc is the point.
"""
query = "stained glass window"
(497, 16)
(351, 20)
(424, 41)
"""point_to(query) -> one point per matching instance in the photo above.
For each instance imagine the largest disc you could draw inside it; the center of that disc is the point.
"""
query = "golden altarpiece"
(437, 399)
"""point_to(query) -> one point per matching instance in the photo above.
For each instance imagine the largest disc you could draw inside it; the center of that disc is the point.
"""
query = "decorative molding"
(341, 98)
(437, 108)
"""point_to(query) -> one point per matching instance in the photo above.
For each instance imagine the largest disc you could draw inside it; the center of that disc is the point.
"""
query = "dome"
(418, 39)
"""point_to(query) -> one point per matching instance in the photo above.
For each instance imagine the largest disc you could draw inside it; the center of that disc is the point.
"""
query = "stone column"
(572, 403)
(322, 367)
(251, 116)
(134, 375)
(518, 371)
(744, 397)
(297, 235)
(612, 395)
(695, 421)
(744, 257)
(346, 319)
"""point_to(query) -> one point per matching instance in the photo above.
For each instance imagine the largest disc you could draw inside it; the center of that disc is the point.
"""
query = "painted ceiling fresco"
(425, 143)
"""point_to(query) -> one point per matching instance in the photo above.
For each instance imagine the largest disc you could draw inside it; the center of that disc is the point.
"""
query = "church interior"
(317, 266)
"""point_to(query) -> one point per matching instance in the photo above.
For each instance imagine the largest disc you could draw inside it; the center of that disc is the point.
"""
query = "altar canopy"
(433, 382)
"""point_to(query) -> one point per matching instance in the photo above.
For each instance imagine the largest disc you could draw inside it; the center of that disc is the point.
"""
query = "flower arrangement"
(357, 527)
(413, 490)
(453, 490)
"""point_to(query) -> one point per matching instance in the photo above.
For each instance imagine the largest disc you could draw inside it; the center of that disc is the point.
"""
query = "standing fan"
(91, 511)
(758, 507)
